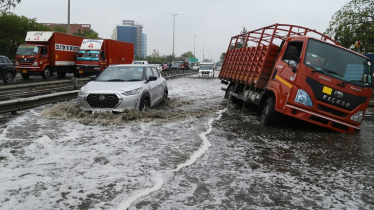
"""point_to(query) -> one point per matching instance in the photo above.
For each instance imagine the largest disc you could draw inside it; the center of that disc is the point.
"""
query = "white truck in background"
(207, 69)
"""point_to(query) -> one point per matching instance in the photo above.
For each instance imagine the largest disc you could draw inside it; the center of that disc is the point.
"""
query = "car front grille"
(102, 100)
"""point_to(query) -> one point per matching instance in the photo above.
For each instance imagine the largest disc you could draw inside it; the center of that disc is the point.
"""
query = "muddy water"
(58, 157)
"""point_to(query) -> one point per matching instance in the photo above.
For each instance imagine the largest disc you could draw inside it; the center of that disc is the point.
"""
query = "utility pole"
(69, 17)
(173, 34)
(194, 46)
(203, 53)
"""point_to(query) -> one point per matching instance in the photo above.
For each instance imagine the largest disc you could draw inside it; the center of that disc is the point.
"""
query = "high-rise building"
(144, 45)
(130, 32)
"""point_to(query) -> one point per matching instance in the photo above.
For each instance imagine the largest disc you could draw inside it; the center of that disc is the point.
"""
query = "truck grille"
(102, 100)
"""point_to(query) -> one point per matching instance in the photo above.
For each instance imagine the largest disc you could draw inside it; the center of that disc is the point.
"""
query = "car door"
(2, 68)
(160, 89)
(152, 86)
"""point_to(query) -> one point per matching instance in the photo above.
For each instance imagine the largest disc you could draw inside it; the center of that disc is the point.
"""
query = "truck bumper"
(29, 70)
(87, 72)
(319, 119)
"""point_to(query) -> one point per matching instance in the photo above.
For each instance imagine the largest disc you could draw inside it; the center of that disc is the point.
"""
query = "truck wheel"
(8, 77)
(144, 105)
(25, 76)
(230, 97)
(46, 73)
(61, 74)
(268, 114)
(76, 74)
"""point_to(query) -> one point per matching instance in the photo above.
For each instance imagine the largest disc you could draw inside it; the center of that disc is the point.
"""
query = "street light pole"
(203, 53)
(173, 34)
(69, 17)
(194, 46)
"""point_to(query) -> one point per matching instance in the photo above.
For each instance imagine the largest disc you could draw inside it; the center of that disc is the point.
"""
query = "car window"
(156, 73)
(1, 60)
(149, 72)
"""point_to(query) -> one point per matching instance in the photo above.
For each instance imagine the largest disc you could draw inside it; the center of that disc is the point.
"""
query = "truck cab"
(31, 59)
(90, 62)
(207, 69)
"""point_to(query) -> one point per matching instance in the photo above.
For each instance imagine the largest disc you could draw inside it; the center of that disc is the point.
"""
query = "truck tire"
(230, 97)
(47, 73)
(268, 114)
(8, 77)
(144, 104)
(61, 74)
(25, 76)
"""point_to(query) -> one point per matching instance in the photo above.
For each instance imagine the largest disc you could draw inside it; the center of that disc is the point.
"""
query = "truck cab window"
(293, 52)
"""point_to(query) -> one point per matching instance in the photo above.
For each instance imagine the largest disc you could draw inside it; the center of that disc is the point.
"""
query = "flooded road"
(196, 151)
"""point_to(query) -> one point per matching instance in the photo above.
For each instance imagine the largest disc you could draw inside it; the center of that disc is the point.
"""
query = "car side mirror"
(93, 77)
(152, 78)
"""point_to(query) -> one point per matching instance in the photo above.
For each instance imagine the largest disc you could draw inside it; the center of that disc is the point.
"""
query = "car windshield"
(206, 67)
(339, 63)
(88, 55)
(27, 50)
(122, 73)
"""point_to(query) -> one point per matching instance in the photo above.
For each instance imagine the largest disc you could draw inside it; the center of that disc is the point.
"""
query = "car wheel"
(46, 73)
(61, 74)
(165, 97)
(144, 105)
(8, 77)
(268, 114)
(25, 76)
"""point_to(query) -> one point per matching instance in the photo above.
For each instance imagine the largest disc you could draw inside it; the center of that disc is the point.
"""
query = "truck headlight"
(35, 64)
(358, 116)
(97, 68)
(17, 64)
(132, 92)
(302, 97)
(77, 68)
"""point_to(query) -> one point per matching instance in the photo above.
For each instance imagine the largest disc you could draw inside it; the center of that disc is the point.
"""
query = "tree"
(188, 54)
(7, 4)
(222, 57)
(13, 31)
(354, 22)
(91, 34)
(59, 28)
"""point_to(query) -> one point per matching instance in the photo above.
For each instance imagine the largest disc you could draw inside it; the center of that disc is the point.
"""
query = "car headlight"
(302, 97)
(358, 116)
(132, 92)
(81, 92)
(35, 64)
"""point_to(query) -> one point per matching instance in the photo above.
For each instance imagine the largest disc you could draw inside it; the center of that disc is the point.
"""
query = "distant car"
(140, 62)
(125, 86)
(158, 67)
(7, 70)
(175, 66)
(196, 67)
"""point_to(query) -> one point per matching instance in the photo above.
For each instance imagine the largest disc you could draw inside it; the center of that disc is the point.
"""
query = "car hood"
(115, 86)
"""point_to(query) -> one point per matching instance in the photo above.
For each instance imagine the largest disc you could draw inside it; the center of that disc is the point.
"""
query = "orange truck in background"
(296, 71)
(46, 52)
(97, 54)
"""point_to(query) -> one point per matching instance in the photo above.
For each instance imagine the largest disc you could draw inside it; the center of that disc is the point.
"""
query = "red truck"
(96, 54)
(46, 52)
(283, 69)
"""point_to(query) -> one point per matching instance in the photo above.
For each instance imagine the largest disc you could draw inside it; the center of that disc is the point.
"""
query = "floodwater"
(196, 151)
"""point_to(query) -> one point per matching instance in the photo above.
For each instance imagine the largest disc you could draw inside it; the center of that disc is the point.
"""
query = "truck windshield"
(88, 56)
(206, 67)
(27, 50)
(338, 63)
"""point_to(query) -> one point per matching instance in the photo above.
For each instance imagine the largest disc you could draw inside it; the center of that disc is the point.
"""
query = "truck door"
(287, 68)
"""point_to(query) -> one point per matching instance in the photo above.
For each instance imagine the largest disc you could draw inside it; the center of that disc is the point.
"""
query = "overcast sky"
(213, 22)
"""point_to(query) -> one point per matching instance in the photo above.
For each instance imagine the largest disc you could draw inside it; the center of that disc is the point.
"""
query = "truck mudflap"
(319, 119)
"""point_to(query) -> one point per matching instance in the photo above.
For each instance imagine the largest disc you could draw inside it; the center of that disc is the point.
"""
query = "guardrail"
(18, 104)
